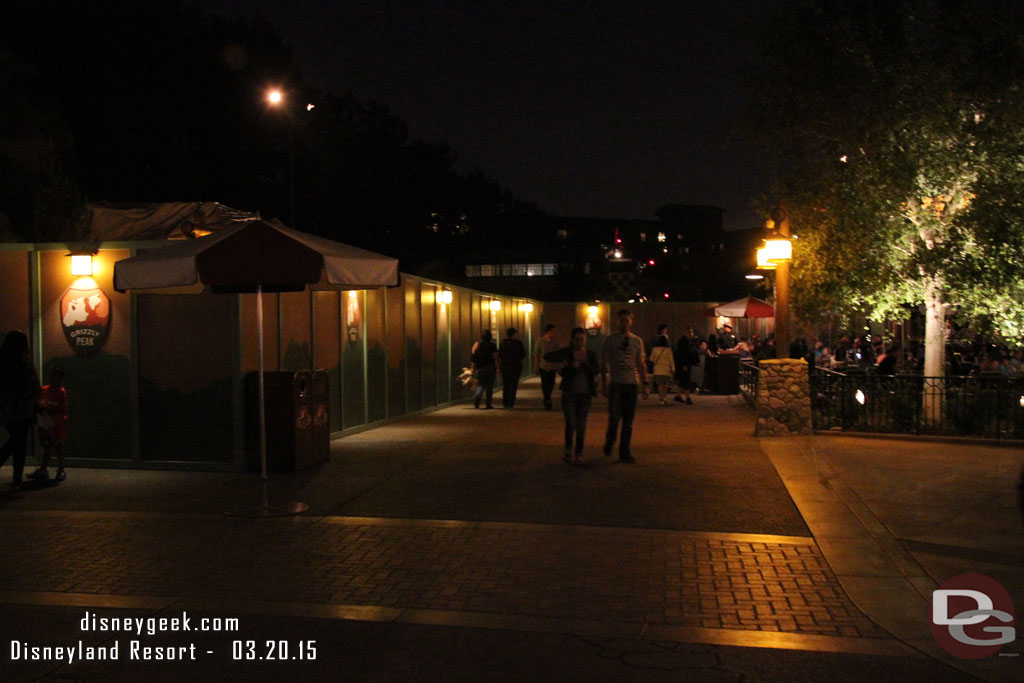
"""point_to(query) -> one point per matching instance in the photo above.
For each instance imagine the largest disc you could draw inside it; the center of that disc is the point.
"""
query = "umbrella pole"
(262, 396)
(264, 509)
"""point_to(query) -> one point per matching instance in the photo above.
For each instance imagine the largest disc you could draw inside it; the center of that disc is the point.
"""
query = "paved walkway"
(464, 518)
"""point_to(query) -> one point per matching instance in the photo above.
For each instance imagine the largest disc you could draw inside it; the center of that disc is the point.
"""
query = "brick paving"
(618, 575)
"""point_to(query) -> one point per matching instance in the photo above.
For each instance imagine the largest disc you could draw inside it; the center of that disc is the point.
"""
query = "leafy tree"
(897, 132)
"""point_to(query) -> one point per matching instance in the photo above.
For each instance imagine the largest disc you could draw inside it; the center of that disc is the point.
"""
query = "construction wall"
(162, 385)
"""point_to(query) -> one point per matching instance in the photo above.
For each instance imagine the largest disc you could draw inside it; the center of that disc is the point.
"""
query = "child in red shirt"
(53, 424)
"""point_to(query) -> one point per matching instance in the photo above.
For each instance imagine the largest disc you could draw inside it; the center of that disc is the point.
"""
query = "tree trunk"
(934, 355)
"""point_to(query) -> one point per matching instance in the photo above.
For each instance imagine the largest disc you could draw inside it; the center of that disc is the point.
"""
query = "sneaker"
(39, 475)
(627, 458)
(577, 460)
(567, 457)
(61, 476)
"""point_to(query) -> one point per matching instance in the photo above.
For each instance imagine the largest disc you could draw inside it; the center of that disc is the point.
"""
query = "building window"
(519, 269)
(550, 269)
(487, 271)
(472, 271)
(563, 234)
(643, 237)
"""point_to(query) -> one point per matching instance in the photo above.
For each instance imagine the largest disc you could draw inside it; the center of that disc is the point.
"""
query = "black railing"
(986, 406)
(748, 380)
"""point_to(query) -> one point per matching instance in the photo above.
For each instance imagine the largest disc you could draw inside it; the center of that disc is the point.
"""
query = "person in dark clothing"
(546, 369)
(580, 369)
(685, 353)
(19, 397)
(484, 362)
(511, 353)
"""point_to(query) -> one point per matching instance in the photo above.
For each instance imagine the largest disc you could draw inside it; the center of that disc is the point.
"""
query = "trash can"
(289, 420)
(722, 374)
(320, 406)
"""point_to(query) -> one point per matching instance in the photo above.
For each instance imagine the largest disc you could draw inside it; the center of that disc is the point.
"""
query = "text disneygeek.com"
(133, 644)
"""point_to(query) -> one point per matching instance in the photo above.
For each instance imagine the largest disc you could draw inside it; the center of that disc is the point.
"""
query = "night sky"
(610, 111)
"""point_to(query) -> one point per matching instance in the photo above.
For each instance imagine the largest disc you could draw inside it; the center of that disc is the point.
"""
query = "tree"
(897, 132)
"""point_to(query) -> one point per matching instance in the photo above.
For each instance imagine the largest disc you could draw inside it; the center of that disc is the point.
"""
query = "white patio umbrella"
(256, 256)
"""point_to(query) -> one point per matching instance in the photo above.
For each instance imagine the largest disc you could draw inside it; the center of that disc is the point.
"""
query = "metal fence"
(748, 381)
(985, 406)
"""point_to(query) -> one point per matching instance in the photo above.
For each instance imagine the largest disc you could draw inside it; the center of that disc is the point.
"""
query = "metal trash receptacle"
(289, 420)
(320, 407)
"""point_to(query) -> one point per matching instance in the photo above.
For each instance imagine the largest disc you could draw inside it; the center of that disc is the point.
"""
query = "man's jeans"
(621, 406)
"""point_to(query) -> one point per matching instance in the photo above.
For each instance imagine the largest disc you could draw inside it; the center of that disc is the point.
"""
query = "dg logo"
(972, 616)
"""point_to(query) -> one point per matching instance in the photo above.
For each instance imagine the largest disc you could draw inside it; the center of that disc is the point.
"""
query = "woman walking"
(664, 367)
(484, 362)
(580, 368)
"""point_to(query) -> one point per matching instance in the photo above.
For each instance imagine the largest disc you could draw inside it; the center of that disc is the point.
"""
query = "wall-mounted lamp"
(528, 308)
(446, 296)
(81, 263)
(495, 304)
(591, 310)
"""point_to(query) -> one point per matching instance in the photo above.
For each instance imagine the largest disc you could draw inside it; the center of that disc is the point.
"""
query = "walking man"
(622, 357)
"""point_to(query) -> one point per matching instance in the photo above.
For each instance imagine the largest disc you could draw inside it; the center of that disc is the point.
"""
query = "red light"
(618, 240)
(651, 262)
(666, 295)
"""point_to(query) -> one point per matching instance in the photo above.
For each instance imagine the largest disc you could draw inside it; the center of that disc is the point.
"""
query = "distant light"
(1022, 401)
(618, 240)
(860, 397)
(755, 276)
(664, 250)
(661, 237)
(633, 301)
(446, 296)
(310, 107)
(275, 96)
(650, 262)
(666, 295)
(495, 304)
(843, 158)
(618, 254)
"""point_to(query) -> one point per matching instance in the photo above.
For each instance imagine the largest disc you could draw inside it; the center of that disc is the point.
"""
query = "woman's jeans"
(575, 408)
(16, 446)
(485, 383)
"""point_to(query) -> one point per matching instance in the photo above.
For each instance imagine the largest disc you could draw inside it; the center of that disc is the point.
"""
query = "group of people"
(620, 373)
(24, 405)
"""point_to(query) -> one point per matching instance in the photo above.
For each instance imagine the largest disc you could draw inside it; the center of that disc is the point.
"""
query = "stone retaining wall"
(783, 398)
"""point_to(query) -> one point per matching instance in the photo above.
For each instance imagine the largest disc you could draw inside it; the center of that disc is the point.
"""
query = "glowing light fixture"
(495, 304)
(755, 276)
(528, 308)
(591, 310)
(275, 97)
(446, 296)
(778, 250)
(81, 263)
(762, 260)
(860, 397)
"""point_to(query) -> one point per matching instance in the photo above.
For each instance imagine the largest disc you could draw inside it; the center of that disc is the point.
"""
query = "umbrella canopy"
(747, 307)
(253, 254)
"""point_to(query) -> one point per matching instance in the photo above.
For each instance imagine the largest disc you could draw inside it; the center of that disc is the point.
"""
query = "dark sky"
(603, 109)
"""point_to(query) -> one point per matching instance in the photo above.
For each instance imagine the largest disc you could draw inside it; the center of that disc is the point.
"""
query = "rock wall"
(783, 398)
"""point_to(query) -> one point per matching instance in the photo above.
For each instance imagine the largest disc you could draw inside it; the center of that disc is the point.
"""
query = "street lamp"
(776, 254)
(276, 100)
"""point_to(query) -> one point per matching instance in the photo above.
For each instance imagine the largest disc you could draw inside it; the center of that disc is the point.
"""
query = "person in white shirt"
(622, 367)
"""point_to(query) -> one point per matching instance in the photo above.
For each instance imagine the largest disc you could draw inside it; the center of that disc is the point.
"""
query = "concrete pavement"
(716, 554)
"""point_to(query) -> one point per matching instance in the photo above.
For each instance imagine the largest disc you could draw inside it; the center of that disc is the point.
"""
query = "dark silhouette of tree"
(164, 102)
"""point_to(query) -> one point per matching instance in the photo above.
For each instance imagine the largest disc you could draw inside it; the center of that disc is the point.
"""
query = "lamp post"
(276, 100)
(776, 254)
